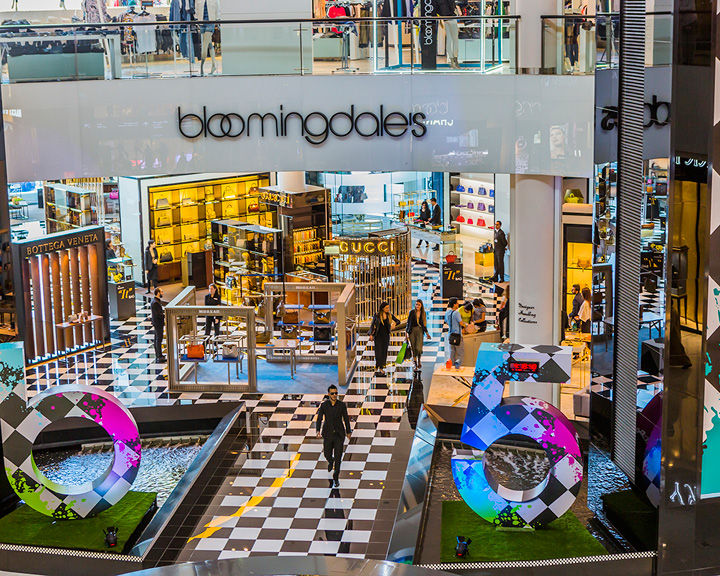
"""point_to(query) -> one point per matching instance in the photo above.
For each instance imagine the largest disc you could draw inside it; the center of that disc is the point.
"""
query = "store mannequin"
(208, 10)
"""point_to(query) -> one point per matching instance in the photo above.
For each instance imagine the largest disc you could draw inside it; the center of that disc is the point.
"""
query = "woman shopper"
(212, 298)
(417, 330)
(424, 218)
(382, 324)
(585, 314)
(479, 314)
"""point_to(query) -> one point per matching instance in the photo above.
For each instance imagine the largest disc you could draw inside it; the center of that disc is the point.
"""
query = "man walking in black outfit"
(158, 322)
(337, 426)
(499, 252)
(436, 218)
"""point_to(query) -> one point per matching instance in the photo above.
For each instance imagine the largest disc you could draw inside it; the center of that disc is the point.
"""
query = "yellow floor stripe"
(216, 523)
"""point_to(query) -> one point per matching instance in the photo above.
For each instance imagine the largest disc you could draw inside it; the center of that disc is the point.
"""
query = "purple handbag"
(471, 206)
(482, 191)
(482, 207)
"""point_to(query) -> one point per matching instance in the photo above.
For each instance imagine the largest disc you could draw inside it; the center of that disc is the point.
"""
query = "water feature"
(162, 465)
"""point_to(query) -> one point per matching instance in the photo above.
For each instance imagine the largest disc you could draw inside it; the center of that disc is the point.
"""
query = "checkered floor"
(278, 499)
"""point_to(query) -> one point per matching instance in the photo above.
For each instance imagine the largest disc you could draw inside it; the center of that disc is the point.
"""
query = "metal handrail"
(411, 19)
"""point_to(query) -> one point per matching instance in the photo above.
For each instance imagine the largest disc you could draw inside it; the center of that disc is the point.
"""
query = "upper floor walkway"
(143, 47)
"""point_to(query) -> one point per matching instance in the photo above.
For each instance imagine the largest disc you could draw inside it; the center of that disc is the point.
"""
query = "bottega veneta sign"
(315, 127)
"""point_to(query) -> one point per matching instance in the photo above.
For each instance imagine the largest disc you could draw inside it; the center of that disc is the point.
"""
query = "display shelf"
(484, 212)
(245, 256)
(486, 197)
(180, 214)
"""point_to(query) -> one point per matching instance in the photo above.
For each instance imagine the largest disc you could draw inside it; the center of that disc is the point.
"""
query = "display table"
(19, 211)
(288, 346)
(474, 341)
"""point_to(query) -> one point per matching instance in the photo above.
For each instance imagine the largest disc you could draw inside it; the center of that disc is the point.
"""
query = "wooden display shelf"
(91, 318)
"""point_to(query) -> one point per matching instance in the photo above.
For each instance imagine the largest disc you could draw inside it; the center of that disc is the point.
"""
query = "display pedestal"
(122, 299)
(452, 279)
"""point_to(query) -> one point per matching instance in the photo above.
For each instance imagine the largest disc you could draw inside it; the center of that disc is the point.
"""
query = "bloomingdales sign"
(315, 127)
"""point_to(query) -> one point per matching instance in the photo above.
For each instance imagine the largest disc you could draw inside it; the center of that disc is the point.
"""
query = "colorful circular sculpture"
(23, 421)
(489, 418)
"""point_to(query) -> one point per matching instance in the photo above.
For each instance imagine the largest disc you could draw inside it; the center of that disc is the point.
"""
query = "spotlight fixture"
(462, 547)
(111, 536)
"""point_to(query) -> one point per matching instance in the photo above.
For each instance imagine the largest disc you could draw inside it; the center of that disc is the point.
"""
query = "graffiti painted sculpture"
(22, 422)
(649, 424)
(489, 418)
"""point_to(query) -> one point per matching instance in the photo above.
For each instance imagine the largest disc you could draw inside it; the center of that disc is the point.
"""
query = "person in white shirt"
(584, 315)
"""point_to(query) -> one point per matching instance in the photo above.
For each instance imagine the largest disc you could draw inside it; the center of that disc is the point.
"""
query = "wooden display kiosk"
(61, 293)
(379, 266)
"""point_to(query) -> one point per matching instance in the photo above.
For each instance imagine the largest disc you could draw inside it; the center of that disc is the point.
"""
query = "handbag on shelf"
(470, 221)
(289, 332)
(230, 281)
(460, 188)
(470, 206)
(254, 207)
(162, 203)
(482, 207)
(166, 257)
(322, 334)
(450, 257)
(322, 317)
(290, 317)
(114, 195)
(584, 263)
(492, 193)
(73, 318)
(163, 220)
(460, 219)
(195, 351)
(230, 350)
(470, 191)
(491, 209)
(482, 191)
(481, 222)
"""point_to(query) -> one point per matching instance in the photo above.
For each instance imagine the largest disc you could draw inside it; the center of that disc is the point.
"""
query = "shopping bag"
(401, 355)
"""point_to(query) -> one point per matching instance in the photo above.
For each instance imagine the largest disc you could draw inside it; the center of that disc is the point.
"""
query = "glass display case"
(245, 256)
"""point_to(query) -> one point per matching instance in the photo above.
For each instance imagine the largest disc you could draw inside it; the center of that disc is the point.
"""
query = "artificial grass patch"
(27, 526)
(566, 537)
(634, 517)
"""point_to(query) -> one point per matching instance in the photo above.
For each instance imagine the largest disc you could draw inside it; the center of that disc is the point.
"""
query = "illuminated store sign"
(315, 127)
(276, 197)
(368, 247)
(69, 241)
(659, 114)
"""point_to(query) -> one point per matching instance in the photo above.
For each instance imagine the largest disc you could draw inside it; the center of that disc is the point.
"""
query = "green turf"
(564, 538)
(634, 517)
(27, 526)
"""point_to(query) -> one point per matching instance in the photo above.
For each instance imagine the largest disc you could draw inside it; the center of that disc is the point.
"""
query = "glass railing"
(578, 44)
(477, 44)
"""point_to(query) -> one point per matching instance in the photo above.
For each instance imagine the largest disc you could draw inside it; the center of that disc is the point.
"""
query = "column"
(530, 31)
(534, 221)
(291, 179)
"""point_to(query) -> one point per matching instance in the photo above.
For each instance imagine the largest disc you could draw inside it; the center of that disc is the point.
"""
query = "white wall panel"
(474, 123)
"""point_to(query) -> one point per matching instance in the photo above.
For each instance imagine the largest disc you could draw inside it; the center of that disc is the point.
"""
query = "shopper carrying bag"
(455, 327)
(382, 324)
(416, 330)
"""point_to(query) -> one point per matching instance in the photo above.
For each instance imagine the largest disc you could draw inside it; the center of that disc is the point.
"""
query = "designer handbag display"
(460, 219)
(471, 206)
(470, 191)
(482, 191)
(166, 257)
(491, 209)
(290, 317)
(460, 188)
(195, 351)
(289, 332)
(163, 220)
(492, 193)
(482, 207)
(481, 222)
(162, 203)
(470, 221)
(253, 207)
(322, 334)
(322, 317)
(230, 350)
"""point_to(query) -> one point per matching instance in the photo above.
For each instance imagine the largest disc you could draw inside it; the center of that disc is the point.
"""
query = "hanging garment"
(95, 11)
(127, 33)
(146, 38)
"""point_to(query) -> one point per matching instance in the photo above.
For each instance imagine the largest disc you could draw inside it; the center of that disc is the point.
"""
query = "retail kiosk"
(303, 215)
(61, 293)
(379, 265)
(319, 317)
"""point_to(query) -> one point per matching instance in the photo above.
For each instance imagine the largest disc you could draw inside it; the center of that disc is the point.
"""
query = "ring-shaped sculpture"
(23, 421)
(489, 418)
